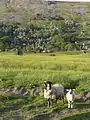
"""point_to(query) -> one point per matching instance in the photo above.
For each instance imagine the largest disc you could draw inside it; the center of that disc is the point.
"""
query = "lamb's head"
(70, 91)
(48, 85)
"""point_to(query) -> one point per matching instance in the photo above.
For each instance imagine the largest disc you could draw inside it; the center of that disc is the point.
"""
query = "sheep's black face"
(71, 91)
(48, 85)
(65, 91)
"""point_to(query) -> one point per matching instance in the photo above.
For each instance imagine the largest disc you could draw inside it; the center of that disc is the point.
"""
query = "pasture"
(29, 70)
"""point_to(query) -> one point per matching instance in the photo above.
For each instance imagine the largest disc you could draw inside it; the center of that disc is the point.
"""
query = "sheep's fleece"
(55, 92)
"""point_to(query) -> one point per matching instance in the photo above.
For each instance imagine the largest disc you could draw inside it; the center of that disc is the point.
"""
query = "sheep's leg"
(72, 104)
(48, 102)
(63, 98)
(52, 102)
(69, 104)
(55, 101)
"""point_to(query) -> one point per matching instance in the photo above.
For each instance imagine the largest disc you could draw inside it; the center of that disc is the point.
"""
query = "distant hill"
(40, 9)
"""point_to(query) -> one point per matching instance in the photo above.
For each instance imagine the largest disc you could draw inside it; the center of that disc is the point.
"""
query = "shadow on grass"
(82, 105)
(80, 116)
(83, 116)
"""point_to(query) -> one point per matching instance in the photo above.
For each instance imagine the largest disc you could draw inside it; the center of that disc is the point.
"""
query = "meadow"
(28, 70)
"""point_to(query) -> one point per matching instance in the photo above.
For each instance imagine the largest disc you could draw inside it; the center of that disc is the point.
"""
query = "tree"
(4, 43)
(70, 32)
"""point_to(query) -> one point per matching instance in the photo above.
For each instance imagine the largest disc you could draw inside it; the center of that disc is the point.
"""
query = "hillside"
(9, 8)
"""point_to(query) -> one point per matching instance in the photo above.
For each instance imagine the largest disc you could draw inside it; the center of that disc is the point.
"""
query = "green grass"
(70, 69)
(83, 116)
(32, 69)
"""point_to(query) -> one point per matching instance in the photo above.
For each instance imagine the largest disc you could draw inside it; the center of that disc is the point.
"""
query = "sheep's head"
(47, 85)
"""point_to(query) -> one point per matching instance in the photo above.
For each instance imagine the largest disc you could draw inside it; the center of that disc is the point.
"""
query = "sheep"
(53, 92)
(70, 96)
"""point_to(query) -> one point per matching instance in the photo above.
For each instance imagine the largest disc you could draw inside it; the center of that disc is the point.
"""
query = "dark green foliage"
(71, 84)
(41, 36)
(4, 43)
(19, 51)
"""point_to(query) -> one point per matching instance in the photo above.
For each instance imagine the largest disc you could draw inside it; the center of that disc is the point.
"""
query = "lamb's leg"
(69, 104)
(72, 104)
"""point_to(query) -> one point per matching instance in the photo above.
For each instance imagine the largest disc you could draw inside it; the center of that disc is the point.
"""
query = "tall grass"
(71, 70)
(44, 61)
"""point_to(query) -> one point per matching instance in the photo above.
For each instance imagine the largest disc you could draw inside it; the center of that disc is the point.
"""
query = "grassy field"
(70, 69)
(31, 69)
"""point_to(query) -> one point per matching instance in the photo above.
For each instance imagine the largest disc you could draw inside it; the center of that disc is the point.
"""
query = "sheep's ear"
(67, 90)
(45, 84)
(51, 83)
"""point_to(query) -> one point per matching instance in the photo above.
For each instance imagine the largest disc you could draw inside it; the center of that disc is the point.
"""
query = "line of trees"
(40, 36)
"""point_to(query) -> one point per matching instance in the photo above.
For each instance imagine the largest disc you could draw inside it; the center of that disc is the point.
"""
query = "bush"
(19, 51)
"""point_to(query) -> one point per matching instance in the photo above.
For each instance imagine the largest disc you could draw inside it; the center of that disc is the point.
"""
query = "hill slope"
(80, 11)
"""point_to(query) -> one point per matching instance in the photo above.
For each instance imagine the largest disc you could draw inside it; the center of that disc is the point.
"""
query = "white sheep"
(53, 92)
(70, 96)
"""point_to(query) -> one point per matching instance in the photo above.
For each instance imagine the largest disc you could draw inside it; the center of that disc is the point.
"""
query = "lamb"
(70, 96)
(53, 92)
